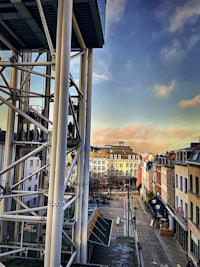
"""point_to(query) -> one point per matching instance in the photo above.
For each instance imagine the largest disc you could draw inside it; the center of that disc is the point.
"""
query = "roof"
(194, 157)
(21, 25)
(100, 233)
(157, 207)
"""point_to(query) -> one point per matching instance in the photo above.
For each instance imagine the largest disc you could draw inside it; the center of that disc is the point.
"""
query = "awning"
(157, 207)
(100, 230)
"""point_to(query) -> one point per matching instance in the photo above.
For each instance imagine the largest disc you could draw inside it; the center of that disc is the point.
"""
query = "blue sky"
(146, 78)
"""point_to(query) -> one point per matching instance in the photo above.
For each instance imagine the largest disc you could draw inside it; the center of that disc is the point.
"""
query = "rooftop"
(21, 26)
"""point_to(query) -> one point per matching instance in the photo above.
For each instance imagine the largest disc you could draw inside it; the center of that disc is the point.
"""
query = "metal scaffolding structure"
(43, 37)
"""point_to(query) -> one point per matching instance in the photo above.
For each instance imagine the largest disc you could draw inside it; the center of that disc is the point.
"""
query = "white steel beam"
(84, 236)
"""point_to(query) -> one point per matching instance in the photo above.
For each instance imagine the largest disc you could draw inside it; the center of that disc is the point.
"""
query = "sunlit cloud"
(115, 11)
(190, 102)
(162, 90)
(146, 138)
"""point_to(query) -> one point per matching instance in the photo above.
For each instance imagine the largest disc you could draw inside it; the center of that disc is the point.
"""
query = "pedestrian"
(70, 129)
(190, 264)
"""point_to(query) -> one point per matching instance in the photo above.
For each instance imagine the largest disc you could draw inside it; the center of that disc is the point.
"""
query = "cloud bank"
(146, 138)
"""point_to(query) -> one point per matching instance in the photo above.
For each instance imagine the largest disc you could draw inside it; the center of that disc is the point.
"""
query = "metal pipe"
(54, 138)
(25, 115)
(46, 30)
(71, 259)
(69, 239)
(7, 178)
(18, 218)
(12, 252)
(28, 74)
(78, 32)
(87, 152)
(57, 218)
(26, 210)
(35, 151)
(71, 169)
(30, 175)
(36, 73)
(14, 64)
(84, 206)
(69, 203)
(20, 203)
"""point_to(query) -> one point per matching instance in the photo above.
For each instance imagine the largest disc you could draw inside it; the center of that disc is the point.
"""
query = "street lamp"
(128, 206)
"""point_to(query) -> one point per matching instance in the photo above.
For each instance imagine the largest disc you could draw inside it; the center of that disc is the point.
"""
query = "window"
(176, 181)
(194, 248)
(35, 188)
(99, 162)
(191, 183)
(186, 211)
(121, 165)
(186, 189)
(197, 185)
(127, 165)
(181, 203)
(99, 167)
(37, 162)
(181, 183)
(29, 188)
(197, 216)
(31, 163)
(176, 202)
(191, 211)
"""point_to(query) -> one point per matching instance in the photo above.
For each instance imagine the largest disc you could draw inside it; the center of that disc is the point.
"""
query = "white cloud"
(173, 51)
(192, 41)
(115, 11)
(129, 65)
(162, 90)
(101, 71)
(185, 14)
(98, 78)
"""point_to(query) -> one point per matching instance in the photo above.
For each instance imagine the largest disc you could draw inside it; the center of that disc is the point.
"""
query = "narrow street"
(155, 250)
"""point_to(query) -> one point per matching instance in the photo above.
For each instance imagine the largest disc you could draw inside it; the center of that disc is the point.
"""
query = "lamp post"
(128, 207)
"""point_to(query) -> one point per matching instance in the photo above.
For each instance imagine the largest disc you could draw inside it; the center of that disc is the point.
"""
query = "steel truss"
(56, 240)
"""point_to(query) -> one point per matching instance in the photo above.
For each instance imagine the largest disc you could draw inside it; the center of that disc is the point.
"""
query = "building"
(194, 204)
(114, 165)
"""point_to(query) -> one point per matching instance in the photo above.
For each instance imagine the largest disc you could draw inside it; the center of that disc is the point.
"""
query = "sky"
(146, 80)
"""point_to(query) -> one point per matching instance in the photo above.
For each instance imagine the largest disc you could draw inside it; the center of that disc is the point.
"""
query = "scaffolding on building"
(41, 38)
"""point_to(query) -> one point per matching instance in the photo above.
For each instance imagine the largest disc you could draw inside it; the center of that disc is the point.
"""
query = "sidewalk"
(156, 250)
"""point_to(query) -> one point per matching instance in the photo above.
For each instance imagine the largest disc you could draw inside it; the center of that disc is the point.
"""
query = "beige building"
(117, 163)
(194, 205)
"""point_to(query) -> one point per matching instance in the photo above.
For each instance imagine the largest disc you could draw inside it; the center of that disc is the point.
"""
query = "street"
(154, 250)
